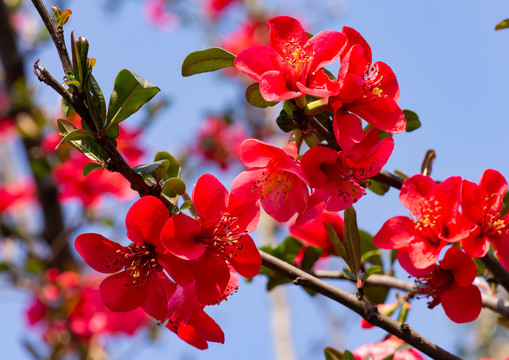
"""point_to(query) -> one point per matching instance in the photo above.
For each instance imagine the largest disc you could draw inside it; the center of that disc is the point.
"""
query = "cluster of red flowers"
(291, 68)
(439, 222)
(68, 307)
(175, 266)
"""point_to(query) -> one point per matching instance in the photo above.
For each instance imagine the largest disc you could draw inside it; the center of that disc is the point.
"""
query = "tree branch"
(493, 303)
(360, 306)
(500, 273)
(115, 162)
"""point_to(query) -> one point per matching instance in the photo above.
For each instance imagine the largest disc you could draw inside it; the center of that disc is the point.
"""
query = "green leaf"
(77, 134)
(504, 24)
(505, 203)
(98, 101)
(86, 146)
(376, 294)
(67, 109)
(113, 132)
(401, 174)
(91, 166)
(276, 281)
(412, 120)
(254, 97)
(370, 271)
(338, 245)
(65, 17)
(352, 240)
(146, 169)
(310, 257)
(348, 355)
(186, 205)
(377, 187)
(332, 354)
(284, 121)
(207, 60)
(130, 93)
(369, 251)
(174, 167)
(174, 187)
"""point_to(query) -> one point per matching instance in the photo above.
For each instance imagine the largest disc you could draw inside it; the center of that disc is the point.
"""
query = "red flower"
(385, 348)
(218, 141)
(369, 91)
(139, 279)
(91, 188)
(482, 204)
(315, 232)
(216, 240)
(438, 221)
(15, 194)
(188, 320)
(290, 66)
(275, 177)
(252, 32)
(156, 14)
(449, 284)
(336, 176)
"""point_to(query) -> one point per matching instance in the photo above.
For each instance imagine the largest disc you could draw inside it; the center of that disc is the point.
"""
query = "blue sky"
(452, 71)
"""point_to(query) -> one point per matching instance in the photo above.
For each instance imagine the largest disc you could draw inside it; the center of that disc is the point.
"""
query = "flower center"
(299, 58)
(493, 223)
(428, 214)
(273, 183)
(140, 262)
(345, 179)
(432, 284)
(225, 237)
(372, 84)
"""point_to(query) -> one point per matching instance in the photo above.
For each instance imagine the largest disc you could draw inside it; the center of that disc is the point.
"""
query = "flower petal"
(119, 293)
(274, 87)
(461, 265)
(284, 29)
(248, 260)
(395, 233)
(257, 60)
(209, 198)
(212, 278)
(462, 304)
(145, 220)
(178, 237)
(100, 253)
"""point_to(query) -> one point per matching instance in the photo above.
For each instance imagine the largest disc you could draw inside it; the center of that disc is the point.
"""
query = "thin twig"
(56, 33)
(360, 306)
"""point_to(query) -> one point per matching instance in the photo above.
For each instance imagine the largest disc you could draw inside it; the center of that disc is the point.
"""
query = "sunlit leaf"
(504, 24)
(412, 120)
(130, 93)
(207, 60)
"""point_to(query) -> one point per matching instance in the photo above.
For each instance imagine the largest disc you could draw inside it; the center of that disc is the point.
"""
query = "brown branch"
(500, 273)
(56, 33)
(493, 303)
(360, 306)
(46, 188)
(115, 161)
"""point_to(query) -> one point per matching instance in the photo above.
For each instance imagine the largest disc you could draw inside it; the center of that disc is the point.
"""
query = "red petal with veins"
(354, 37)
(159, 291)
(212, 278)
(119, 293)
(178, 237)
(274, 87)
(283, 29)
(312, 161)
(145, 220)
(326, 47)
(462, 304)
(461, 265)
(100, 253)
(395, 233)
(492, 182)
(248, 260)
(415, 188)
(257, 60)
(209, 199)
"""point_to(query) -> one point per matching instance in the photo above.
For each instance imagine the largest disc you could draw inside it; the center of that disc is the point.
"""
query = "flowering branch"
(360, 306)
(115, 162)
(490, 302)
